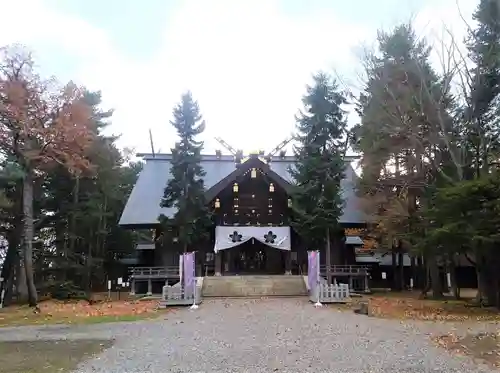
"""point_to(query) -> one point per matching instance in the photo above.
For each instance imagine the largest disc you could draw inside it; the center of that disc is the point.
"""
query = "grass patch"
(484, 347)
(53, 312)
(47, 356)
(407, 306)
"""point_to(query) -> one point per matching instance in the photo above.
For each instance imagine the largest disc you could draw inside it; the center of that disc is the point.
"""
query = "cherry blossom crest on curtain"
(231, 236)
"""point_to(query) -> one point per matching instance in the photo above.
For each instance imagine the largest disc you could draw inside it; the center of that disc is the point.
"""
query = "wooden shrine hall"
(250, 200)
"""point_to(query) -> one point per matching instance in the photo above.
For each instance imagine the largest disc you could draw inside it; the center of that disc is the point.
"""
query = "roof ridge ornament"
(279, 148)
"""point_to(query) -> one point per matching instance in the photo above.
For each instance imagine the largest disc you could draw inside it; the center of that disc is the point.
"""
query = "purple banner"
(312, 269)
(189, 278)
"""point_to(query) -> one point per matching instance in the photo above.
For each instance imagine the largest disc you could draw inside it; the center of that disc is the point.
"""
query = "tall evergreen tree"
(185, 190)
(483, 108)
(405, 122)
(321, 127)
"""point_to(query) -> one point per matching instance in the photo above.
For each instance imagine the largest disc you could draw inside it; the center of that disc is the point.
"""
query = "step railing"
(344, 270)
(154, 272)
(333, 293)
(177, 295)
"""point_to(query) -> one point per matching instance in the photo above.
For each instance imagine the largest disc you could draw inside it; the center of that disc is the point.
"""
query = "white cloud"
(445, 23)
(247, 65)
(245, 61)
(41, 26)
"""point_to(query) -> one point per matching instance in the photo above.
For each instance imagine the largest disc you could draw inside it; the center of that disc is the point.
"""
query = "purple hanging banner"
(181, 269)
(313, 269)
(189, 278)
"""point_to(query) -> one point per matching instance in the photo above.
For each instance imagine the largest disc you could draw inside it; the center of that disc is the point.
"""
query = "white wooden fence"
(333, 293)
(177, 296)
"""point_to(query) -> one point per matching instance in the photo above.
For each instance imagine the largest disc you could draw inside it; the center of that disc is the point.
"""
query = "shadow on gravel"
(48, 356)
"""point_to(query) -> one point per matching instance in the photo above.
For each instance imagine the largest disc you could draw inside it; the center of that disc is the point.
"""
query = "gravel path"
(270, 335)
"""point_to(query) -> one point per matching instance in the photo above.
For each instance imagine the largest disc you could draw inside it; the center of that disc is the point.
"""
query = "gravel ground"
(262, 335)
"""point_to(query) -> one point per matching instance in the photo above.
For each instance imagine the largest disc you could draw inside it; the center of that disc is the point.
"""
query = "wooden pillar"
(288, 263)
(218, 263)
(227, 262)
(270, 264)
(150, 287)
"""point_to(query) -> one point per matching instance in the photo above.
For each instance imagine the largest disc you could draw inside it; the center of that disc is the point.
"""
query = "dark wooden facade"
(253, 193)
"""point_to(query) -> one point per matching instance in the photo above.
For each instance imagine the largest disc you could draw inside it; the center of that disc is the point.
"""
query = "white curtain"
(231, 236)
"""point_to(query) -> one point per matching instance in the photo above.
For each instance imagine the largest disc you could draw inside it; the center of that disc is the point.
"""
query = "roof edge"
(227, 157)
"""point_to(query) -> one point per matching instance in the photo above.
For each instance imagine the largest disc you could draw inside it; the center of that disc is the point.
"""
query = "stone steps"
(253, 286)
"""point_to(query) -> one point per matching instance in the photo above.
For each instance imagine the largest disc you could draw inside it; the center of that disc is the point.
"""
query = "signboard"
(120, 280)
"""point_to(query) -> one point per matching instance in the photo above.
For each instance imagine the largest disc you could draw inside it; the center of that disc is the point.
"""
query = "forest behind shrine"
(428, 137)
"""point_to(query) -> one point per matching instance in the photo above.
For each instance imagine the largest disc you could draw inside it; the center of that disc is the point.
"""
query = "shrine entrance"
(253, 257)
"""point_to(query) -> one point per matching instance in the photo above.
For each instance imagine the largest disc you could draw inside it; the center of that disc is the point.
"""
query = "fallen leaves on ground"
(408, 307)
(78, 311)
(482, 346)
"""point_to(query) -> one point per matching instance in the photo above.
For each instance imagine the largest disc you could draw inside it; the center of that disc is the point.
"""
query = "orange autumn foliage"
(41, 123)
(55, 312)
(428, 310)
(84, 309)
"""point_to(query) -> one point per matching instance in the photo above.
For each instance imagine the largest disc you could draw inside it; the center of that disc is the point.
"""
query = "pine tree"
(321, 127)
(404, 110)
(484, 101)
(482, 129)
(185, 190)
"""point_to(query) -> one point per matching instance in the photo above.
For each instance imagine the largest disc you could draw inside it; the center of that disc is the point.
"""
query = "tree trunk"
(21, 286)
(413, 271)
(73, 223)
(480, 295)
(104, 230)
(455, 289)
(8, 269)
(28, 237)
(436, 286)
(12, 262)
(88, 285)
(12, 258)
(401, 268)
(482, 279)
(328, 259)
(9, 289)
(426, 278)
(495, 276)
(491, 280)
(394, 283)
(61, 249)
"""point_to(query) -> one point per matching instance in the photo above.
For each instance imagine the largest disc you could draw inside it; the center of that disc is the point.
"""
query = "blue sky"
(246, 61)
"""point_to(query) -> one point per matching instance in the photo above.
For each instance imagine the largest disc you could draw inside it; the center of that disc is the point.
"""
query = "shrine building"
(249, 197)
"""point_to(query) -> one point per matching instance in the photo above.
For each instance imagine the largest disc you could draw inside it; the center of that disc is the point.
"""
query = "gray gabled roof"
(143, 205)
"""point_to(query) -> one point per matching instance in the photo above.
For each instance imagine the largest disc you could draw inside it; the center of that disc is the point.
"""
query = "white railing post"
(132, 286)
(150, 287)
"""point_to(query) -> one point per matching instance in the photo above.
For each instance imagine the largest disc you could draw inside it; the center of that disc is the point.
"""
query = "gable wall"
(143, 205)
